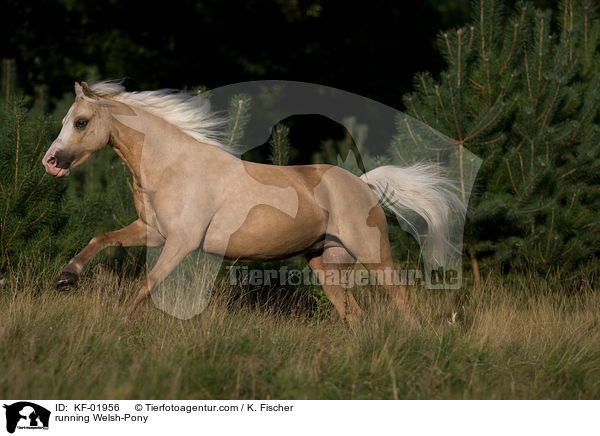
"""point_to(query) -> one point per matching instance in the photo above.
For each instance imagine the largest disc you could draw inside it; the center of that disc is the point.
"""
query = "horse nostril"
(62, 160)
(51, 160)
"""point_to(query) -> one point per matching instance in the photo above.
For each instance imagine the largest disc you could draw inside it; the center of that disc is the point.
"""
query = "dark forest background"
(516, 83)
(368, 48)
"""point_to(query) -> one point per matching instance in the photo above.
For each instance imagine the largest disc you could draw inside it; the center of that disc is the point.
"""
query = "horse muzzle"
(57, 162)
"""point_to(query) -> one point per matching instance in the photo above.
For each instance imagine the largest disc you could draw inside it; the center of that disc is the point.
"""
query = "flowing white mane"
(190, 113)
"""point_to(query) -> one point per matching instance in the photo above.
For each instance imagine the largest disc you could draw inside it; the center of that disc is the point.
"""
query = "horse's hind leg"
(134, 235)
(373, 251)
(388, 278)
(332, 266)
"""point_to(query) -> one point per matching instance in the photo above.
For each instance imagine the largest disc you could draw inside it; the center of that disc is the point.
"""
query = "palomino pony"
(192, 193)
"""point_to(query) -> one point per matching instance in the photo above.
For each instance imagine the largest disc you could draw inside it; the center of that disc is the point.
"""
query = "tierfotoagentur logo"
(25, 415)
(245, 276)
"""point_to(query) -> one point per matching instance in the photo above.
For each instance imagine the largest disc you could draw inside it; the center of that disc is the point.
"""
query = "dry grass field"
(514, 337)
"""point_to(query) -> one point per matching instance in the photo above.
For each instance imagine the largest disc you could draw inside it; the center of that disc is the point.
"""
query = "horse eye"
(81, 123)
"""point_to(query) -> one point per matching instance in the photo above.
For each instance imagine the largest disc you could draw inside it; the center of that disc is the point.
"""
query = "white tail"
(420, 188)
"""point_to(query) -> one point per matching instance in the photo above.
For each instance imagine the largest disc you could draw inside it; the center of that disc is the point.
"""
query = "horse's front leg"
(135, 234)
(176, 248)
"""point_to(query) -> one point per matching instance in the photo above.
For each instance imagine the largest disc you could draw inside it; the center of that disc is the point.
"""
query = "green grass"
(514, 337)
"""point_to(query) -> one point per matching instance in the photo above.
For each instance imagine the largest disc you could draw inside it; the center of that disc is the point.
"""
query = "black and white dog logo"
(26, 415)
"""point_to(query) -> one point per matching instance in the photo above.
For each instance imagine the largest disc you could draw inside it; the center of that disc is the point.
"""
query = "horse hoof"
(65, 281)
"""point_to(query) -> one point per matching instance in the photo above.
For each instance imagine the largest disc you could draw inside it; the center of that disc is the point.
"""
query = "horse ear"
(86, 90)
(78, 90)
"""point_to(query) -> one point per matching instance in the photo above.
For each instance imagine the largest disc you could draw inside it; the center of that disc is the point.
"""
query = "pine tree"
(280, 145)
(524, 97)
(31, 217)
(239, 116)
